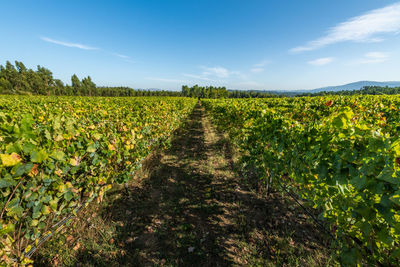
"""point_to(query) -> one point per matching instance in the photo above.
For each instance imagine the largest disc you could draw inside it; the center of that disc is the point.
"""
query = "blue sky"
(272, 45)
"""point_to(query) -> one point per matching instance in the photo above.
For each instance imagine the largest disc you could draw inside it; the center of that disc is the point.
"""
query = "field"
(277, 181)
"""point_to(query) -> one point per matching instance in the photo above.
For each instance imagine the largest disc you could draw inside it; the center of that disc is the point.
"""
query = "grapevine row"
(341, 155)
(57, 153)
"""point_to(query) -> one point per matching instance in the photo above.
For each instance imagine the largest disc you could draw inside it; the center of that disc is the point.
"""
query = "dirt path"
(194, 210)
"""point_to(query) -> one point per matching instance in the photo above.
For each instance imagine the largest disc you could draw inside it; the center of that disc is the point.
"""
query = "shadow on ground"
(193, 210)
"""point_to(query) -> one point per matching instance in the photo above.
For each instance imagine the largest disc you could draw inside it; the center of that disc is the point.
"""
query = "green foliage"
(366, 90)
(339, 154)
(204, 92)
(59, 153)
(23, 81)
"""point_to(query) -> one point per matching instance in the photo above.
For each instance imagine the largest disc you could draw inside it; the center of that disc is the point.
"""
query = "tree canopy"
(18, 79)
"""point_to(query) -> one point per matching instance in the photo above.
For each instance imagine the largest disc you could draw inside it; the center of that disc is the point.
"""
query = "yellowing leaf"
(97, 136)
(111, 147)
(91, 148)
(73, 162)
(10, 160)
(34, 171)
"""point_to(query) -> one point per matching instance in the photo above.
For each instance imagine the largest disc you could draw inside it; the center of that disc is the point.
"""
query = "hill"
(355, 86)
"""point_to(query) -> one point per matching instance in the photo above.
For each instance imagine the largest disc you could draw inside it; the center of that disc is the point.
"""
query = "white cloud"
(219, 72)
(321, 61)
(75, 45)
(364, 28)
(374, 57)
(213, 73)
(257, 70)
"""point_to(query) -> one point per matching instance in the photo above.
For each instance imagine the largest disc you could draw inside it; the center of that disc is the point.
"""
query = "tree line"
(204, 91)
(366, 90)
(18, 79)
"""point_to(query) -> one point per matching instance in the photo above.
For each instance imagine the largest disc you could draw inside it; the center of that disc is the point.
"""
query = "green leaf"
(23, 169)
(388, 175)
(53, 204)
(10, 227)
(396, 197)
(58, 155)
(13, 203)
(15, 211)
(41, 225)
(38, 156)
(384, 237)
(28, 147)
(359, 182)
(7, 181)
(57, 123)
(91, 148)
(45, 210)
(36, 211)
(97, 136)
(68, 196)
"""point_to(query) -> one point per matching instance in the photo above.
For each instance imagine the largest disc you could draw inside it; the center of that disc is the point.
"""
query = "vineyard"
(59, 154)
(340, 157)
(339, 154)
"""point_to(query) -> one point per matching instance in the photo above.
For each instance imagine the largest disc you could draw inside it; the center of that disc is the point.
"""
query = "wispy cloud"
(364, 28)
(321, 61)
(259, 67)
(213, 73)
(124, 57)
(166, 80)
(68, 44)
(219, 72)
(121, 56)
(198, 77)
(261, 64)
(374, 57)
(257, 70)
(86, 47)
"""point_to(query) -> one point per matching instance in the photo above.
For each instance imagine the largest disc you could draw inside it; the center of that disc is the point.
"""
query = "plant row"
(341, 155)
(59, 153)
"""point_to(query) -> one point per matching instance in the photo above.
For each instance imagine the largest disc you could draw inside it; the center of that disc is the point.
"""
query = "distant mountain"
(354, 86)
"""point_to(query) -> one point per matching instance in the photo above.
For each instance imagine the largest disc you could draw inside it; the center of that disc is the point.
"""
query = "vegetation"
(222, 92)
(366, 90)
(252, 94)
(23, 81)
(204, 92)
(339, 154)
(188, 207)
(58, 154)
